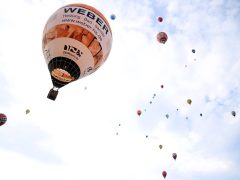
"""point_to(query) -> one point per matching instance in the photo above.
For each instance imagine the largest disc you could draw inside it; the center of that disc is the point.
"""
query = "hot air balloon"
(27, 111)
(189, 101)
(76, 41)
(167, 116)
(174, 155)
(160, 146)
(139, 112)
(234, 113)
(160, 19)
(162, 37)
(113, 16)
(193, 51)
(3, 119)
(161, 86)
(164, 174)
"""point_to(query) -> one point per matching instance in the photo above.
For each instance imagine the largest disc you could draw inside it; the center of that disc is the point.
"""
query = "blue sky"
(75, 137)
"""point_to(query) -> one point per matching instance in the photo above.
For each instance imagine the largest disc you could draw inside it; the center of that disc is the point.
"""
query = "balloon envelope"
(160, 146)
(3, 119)
(160, 19)
(76, 41)
(174, 155)
(162, 37)
(113, 16)
(164, 174)
(189, 101)
(139, 112)
(27, 111)
(233, 113)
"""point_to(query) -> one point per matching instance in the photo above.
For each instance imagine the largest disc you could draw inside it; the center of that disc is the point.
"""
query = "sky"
(92, 130)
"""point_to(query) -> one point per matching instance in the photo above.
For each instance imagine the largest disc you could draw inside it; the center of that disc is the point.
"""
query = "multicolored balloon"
(162, 37)
(3, 119)
(76, 41)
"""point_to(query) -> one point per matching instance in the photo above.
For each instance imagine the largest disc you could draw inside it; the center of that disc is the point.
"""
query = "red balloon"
(139, 112)
(162, 37)
(3, 119)
(160, 19)
(164, 174)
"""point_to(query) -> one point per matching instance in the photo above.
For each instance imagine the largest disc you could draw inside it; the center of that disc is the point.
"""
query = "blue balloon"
(113, 17)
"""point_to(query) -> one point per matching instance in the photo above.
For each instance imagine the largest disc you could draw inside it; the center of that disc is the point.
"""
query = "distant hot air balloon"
(139, 112)
(234, 113)
(162, 37)
(160, 19)
(193, 51)
(189, 101)
(161, 86)
(27, 111)
(3, 119)
(113, 16)
(167, 116)
(160, 146)
(200, 114)
(164, 174)
(76, 41)
(174, 155)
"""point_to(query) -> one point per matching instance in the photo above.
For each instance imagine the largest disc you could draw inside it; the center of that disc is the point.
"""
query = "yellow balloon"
(27, 111)
(189, 101)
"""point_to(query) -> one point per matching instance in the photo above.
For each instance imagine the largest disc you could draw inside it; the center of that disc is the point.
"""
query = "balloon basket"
(52, 94)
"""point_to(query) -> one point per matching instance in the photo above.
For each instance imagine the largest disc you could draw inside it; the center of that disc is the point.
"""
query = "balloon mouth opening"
(163, 40)
(63, 71)
(62, 75)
